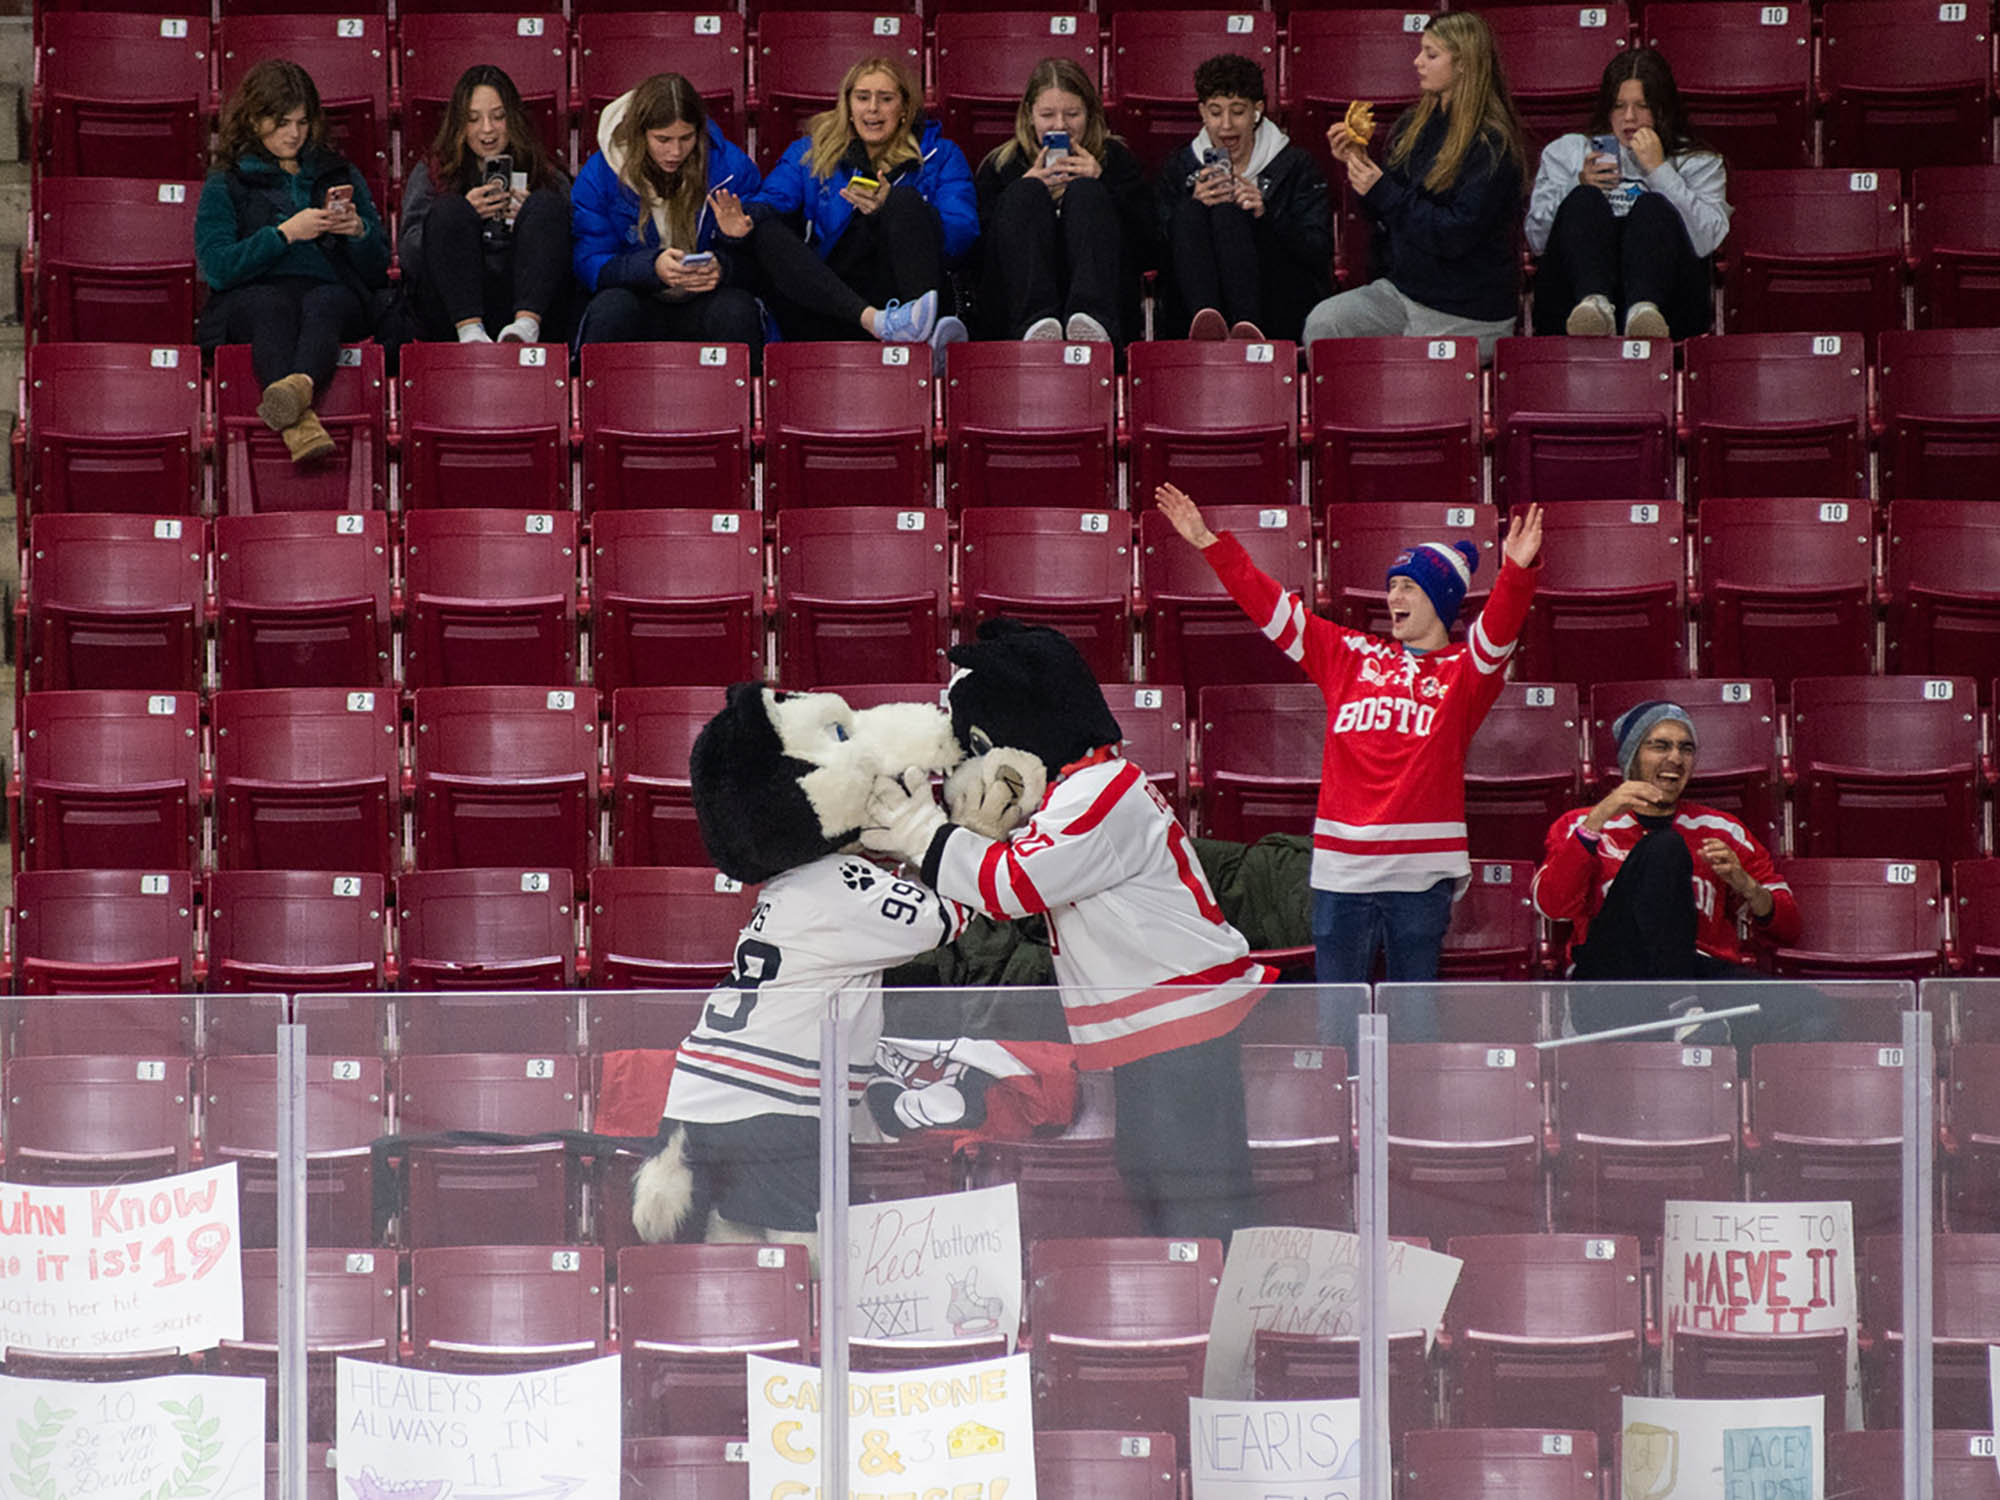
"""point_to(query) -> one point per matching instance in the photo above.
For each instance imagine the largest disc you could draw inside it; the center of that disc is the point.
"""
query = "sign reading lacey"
(108, 1270)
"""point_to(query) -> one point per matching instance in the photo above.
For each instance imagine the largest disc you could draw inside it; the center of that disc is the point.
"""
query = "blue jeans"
(1407, 927)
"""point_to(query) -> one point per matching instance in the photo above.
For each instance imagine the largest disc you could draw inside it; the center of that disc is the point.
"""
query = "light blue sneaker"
(908, 322)
(949, 331)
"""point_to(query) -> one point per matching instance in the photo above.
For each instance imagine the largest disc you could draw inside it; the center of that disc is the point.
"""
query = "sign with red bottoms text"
(1760, 1268)
(1773, 1449)
(965, 1432)
(945, 1267)
(410, 1434)
(1257, 1450)
(119, 1269)
(198, 1436)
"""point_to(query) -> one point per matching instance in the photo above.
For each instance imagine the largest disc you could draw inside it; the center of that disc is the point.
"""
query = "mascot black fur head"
(1026, 687)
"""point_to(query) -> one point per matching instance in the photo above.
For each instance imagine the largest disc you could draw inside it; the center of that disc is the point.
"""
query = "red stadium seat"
(157, 1024)
(1886, 766)
(115, 602)
(1364, 537)
(1583, 419)
(114, 259)
(1965, 1318)
(1195, 634)
(113, 427)
(1494, 932)
(1745, 76)
(486, 929)
(1069, 569)
(302, 600)
(110, 781)
(665, 424)
(1289, 1366)
(1523, 771)
(1975, 886)
(97, 1120)
(1777, 414)
(1394, 419)
(1555, 56)
(1786, 588)
(1638, 1123)
(257, 472)
(1825, 1121)
(485, 424)
(1153, 56)
(1106, 1465)
(1814, 249)
(1864, 918)
(653, 729)
(1528, 1464)
(532, 48)
(350, 1313)
(346, 1109)
(470, 1020)
(1546, 1330)
(489, 1194)
(711, 50)
(1154, 722)
(983, 56)
(677, 595)
(1612, 598)
(294, 930)
(307, 779)
(103, 932)
(847, 424)
(1718, 1365)
(1301, 1157)
(1971, 1137)
(348, 58)
(1030, 423)
(1939, 393)
(1261, 749)
(1905, 84)
(695, 1466)
(491, 598)
(497, 1309)
(506, 775)
(688, 1318)
(1216, 413)
(802, 55)
(1736, 765)
(661, 928)
(1465, 1140)
(863, 595)
(122, 95)
(1955, 244)
(1871, 1463)
(1067, 1184)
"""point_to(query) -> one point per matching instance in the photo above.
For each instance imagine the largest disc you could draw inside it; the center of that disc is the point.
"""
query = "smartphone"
(865, 184)
(1214, 162)
(499, 169)
(340, 197)
(698, 258)
(1056, 143)
(1604, 145)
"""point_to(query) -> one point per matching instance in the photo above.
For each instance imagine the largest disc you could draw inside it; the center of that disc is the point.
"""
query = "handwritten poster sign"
(1774, 1449)
(543, 1435)
(963, 1431)
(192, 1437)
(108, 1270)
(947, 1267)
(1761, 1268)
(1255, 1450)
(1309, 1281)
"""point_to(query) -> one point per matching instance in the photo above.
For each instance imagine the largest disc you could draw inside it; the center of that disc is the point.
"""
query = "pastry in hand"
(1361, 121)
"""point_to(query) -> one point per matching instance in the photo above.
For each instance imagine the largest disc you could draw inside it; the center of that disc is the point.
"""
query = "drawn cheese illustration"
(968, 1439)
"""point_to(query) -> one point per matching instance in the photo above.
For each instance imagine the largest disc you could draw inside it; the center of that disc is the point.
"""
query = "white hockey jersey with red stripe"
(1145, 958)
(1391, 811)
(830, 927)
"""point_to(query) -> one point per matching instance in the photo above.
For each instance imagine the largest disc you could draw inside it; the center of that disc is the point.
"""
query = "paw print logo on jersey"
(857, 875)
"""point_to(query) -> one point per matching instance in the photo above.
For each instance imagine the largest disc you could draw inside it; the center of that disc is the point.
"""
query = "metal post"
(1372, 1226)
(833, 1320)
(291, 1262)
(1919, 1155)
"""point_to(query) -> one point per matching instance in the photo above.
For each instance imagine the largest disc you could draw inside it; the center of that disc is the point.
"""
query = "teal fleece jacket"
(236, 236)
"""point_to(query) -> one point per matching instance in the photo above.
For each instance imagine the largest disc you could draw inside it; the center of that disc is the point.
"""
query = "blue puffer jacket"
(608, 245)
(941, 176)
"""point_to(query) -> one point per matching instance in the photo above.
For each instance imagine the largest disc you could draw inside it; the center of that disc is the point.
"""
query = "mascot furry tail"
(663, 1192)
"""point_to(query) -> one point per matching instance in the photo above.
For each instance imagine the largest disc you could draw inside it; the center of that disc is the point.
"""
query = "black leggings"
(1644, 257)
(727, 315)
(1214, 250)
(455, 283)
(293, 325)
(895, 254)
(1048, 264)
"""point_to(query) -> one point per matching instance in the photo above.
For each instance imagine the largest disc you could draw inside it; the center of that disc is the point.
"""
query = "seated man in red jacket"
(1656, 885)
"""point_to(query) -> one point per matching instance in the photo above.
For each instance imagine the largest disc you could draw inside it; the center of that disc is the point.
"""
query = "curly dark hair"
(269, 91)
(1231, 75)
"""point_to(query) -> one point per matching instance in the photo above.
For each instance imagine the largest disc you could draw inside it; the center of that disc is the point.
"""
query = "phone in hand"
(1604, 145)
(1056, 144)
(698, 258)
(340, 198)
(863, 184)
(1214, 162)
(498, 171)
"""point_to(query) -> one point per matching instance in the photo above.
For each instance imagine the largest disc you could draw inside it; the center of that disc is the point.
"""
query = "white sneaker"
(1042, 328)
(1644, 320)
(1084, 329)
(949, 331)
(522, 331)
(1593, 317)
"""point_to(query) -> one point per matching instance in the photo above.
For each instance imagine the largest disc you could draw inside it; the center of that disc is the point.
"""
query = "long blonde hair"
(662, 100)
(1054, 73)
(831, 131)
(1481, 104)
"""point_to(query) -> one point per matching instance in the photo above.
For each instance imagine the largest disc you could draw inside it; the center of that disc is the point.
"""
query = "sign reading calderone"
(953, 1432)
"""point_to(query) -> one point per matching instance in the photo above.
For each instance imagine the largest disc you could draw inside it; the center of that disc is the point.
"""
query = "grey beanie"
(1631, 728)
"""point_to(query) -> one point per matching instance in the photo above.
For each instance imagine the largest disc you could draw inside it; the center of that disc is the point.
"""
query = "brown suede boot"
(285, 401)
(307, 439)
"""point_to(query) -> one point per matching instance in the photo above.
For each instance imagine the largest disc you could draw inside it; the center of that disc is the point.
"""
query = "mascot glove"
(995, 793)
(931, 1107)
(903, 817)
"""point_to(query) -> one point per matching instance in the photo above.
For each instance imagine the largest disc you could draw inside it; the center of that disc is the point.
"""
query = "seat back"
(295, 930)
(484, 424)
(1826, 1117)
(257, 471)
(110, 780)
(1907, 85)
(1955, 242)
(1202, 411)
(491, 597)
(1195, 634)
(1029, 422)
(1579, 419)
(1975, 886)
(123, 95)
(1939, 394)
(105, 932)
(1363, 538)
(1778, 414)
(1107, 1465)
(1152, 60)
(1393, 418)
(664, 423)
(1465, 1139)
(862, 595)
(1261, 749)
(1494, 931)
(496, 1308)
(1154, 720)
(710, 49)
(506, 774)
(982, 58)
(307, 779)
(1530, 1464)
(1301, 1161)
(1745, 77)
(1612, 598)
(1864, 917)
(490, 1194)
(346, 1110)
(1556, 54)
(1523, 770)
(303, 600)
(847, 424)
(115, 259)
(99, 1120)
(113, 427)
(678, 596)
(115, 601)
(653, 731)
(802, 56)
(1785, 589)
(664, 928)
(533, 49)
(1067, 569)
(1811, 249)
(348, 58)
(1871, 1463)
(486, 929)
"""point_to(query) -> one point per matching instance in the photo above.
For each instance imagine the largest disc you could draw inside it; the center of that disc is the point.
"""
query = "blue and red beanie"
(1442, 570)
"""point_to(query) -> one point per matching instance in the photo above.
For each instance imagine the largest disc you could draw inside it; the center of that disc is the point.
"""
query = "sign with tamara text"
(1254, 1450)
(1772, 1449)
(962, 1431)
(947, 1267)
(537, 1435)
(188, 1437)
(1760, 1268)
(110, 1270)
(1309, 1281)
